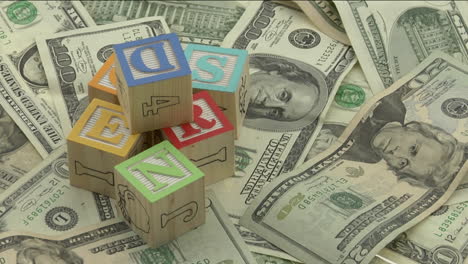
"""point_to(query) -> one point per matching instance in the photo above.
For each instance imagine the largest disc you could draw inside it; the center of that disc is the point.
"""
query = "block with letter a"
(104, 84)
(208, 141)
(161, 194)
(154, 80)
(99, 141)
(224, 73)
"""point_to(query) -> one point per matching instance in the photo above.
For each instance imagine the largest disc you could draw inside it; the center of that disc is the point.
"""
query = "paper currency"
(290, 93)
(325, 17)
(353, 93)
(82, 52)
(202, 22)
(399, 160)
(21, 23)
(43, 201)
(215, 242)
(265, 259)
(22, 105)
(392, 39)
(17, 154)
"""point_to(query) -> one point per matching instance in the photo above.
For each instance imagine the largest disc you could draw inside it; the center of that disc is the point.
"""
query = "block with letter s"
(100, 140)
(160, 194)
(208, 141)
(224, 74)
(154, 82)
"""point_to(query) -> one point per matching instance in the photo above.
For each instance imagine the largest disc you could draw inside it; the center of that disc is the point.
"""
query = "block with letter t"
(224, 73)
(100, 140)
(104, 84)
(154, 82)
(161, 194)
(208, 141)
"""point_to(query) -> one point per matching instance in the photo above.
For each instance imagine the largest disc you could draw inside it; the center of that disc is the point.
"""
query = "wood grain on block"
(224, 73)
(99, 141)
(161, 194)
(154, 80)
(104, 84)
(208, 141)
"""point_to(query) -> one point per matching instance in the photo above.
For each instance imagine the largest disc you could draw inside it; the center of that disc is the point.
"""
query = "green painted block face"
(159, 171)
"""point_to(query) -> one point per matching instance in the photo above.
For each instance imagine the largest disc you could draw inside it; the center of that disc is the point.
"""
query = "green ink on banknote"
(346, 200)
(160, 255)
(354, 172)
(288, 208)
(22, 13)
(350, 96)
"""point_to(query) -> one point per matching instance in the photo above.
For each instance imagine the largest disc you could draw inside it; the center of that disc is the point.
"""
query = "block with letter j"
(99, 141)
(161, 194)
(224, 74)
(208, 141)
(154, 79)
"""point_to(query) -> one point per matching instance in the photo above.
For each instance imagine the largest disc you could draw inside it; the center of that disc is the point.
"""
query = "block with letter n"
(154, 80)
(100, 140)
(224, 73)
(104, 84)
(161, 194)
(208, 141)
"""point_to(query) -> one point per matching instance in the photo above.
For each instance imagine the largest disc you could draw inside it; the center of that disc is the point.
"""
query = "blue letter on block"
(158, 49)
(204, 65)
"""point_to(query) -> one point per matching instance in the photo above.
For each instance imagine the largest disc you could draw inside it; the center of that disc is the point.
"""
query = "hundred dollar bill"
(391, 39)
(20, 23)
(202, 22)
(71, 59)
(17, 154)
(325, 17)
(42, 201)
(290, 93)
(22, 105)
(352, 94)
(215, 242)
(399, 160)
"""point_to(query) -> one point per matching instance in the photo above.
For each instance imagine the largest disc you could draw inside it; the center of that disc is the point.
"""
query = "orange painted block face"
(208, 122)
(105, 79)
(103, 126)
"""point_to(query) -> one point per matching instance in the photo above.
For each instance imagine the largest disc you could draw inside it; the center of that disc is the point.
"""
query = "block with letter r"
(100, 140)
(154, 79)
(161, 194)
(224, 74)
(208, 141)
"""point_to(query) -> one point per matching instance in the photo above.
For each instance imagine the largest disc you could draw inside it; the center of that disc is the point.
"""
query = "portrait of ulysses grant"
(286, 95)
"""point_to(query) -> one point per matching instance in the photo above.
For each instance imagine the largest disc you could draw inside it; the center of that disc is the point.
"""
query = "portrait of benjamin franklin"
(11, 137)
(31, 69)
(37, 251)
(286, 94)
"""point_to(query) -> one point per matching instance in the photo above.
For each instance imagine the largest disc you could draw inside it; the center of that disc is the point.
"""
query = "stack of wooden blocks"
(147, 141)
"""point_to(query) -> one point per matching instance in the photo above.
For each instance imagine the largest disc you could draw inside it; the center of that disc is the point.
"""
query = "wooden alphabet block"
(208, 141)
(161, 194)
(154, 79)
(224, 73)
(104, 84)
(99, 141)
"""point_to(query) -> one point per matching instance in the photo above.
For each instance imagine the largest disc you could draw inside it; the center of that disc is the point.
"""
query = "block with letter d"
(161, 194)
(224, 73)
(208, 141)
(104, 84)
(154, 79)
(99, 141)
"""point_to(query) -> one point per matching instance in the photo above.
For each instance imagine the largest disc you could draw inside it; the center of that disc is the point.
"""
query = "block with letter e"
(224, 73)
(104, 84)
(154, 79)
(100, 140)
(161, 194)
(208, 141)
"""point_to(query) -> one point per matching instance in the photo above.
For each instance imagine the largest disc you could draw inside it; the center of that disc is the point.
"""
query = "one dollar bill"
(399, 160)
(82, 53)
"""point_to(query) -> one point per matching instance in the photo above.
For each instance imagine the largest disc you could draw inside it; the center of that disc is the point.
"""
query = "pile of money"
(353, 150)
